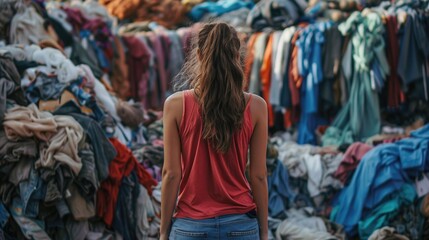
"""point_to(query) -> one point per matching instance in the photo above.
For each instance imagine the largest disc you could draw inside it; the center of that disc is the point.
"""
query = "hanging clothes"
(310, 69)
(366, 30)
(266, 78)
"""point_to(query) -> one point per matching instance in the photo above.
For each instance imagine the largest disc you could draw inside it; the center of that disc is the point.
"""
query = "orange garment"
(148, 10)
(249, 59)
(265, 74)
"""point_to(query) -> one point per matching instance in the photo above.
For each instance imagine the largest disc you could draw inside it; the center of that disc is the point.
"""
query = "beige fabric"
(63, 146)
(25, 122)
(60, 134)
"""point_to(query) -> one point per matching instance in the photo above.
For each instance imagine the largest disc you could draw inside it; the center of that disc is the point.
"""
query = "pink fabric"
(351, 159)
(213, 184)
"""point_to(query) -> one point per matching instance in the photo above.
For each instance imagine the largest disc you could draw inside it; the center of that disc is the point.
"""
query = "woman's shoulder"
(174, 101)
(256, 101)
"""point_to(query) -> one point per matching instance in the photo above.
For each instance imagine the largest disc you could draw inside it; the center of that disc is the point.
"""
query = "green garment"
(387, 211)
(359, 118)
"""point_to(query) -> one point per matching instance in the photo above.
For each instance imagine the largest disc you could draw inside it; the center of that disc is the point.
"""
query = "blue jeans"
(236, 226)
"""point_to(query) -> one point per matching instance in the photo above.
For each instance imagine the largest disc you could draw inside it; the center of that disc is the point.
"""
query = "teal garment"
(359, 118)
(387, 211)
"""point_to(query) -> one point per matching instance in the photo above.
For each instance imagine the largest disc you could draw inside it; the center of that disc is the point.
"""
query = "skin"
(171, 173)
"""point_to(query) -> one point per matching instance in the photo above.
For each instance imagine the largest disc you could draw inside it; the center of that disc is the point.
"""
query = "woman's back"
(213, 183)
(208, 133)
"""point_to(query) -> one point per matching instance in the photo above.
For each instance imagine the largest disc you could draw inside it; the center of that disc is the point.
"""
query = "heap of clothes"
(77, 160)
(373, 190)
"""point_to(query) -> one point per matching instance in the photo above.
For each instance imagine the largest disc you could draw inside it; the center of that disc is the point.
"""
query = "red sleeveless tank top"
(213, 184)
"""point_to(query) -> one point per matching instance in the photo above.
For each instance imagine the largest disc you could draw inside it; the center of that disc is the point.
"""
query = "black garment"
(10, 85)
(64, 35)
(331, 53)
(125, 218)
(413, 57)
(80, 56)
(104, 152)
(87, 181)
(285, 94)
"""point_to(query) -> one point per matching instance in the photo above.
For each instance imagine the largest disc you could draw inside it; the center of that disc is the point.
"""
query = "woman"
(208, 131)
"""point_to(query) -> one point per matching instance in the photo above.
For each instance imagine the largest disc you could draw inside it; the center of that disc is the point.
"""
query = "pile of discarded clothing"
(67, 168)
(367, 190)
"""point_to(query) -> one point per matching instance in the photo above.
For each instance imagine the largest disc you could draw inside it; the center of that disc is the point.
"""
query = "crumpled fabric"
(10, 82)
(131, 114)
(386, 233)
(300, 225)
(301, 163)
(387, 211)
(217, 8)
(60, 135)
(31, 228)
(369, 61)
(122, 166)
(63, 146)
(53, 58)
(26, 27)
(26, 122)
(279, 190)
(236, 18)
(6, 14)
(276, 14)
(381, 172)
(351, 159)
(13, 151)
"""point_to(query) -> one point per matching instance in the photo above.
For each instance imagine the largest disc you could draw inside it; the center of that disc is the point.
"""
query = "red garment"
(351, 159)
(213, 184)
(75, 18)
(395, 94)
(138, 65)
(122, 166)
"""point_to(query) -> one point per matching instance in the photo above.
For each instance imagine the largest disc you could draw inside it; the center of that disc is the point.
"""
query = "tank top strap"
(247, 113)
(189, 104)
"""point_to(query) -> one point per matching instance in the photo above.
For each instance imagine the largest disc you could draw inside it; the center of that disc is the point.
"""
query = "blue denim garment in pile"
(279, 190)
(32, 191)
(31, 228)
(125, 220)
(234, 226)
(382, 172)
(4, 216)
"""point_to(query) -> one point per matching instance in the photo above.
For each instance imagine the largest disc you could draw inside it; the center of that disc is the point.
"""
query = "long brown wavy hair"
(214, 69)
